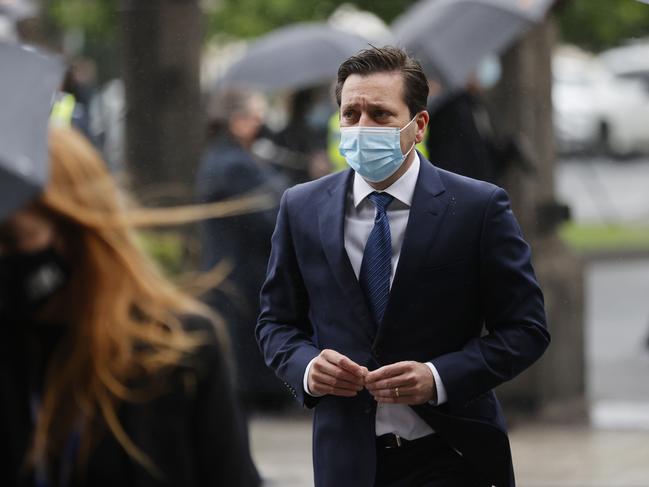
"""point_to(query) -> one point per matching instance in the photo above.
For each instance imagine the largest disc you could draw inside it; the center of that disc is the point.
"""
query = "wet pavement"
(545, 455)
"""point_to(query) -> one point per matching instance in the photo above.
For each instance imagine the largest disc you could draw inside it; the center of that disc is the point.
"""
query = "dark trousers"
(426, 462)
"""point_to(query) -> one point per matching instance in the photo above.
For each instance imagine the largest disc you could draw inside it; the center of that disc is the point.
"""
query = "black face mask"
(27, 281)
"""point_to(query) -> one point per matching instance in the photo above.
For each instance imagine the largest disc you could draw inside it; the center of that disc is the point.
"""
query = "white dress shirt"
(359, 221)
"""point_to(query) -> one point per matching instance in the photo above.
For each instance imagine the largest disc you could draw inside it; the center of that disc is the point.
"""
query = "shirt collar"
(402, 189)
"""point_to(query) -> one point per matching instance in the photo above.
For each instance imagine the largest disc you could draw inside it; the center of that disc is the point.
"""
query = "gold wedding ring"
(396, 392)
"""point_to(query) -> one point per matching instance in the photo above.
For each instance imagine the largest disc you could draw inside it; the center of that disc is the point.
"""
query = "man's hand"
(333, 373)
(402, 383)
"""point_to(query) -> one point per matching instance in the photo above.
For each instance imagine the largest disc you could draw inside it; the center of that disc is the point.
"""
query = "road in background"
(600, 190)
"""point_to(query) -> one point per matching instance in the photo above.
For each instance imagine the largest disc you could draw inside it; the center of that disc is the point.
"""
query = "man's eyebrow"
(353, 104)
(381, 106)
(373, 106)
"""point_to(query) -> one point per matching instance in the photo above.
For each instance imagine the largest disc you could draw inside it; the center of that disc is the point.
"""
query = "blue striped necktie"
(376, 267)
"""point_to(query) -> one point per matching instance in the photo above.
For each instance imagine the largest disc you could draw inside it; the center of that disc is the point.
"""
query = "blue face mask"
(373, 152)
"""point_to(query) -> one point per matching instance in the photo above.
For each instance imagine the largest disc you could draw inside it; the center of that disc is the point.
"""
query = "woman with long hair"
(109, 374)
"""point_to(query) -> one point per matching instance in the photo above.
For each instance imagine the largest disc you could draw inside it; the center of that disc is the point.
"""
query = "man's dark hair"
(388, 59)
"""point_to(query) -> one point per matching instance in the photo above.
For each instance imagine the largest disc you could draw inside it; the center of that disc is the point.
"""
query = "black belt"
(392, 440)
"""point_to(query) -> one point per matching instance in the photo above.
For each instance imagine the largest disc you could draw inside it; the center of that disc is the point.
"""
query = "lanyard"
(41, 473)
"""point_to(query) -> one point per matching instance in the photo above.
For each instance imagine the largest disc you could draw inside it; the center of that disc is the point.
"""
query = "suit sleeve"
(283, 330)
(513, 308)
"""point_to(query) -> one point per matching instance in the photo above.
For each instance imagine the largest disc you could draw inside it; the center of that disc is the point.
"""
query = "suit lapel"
(332, 226)
(428, 207)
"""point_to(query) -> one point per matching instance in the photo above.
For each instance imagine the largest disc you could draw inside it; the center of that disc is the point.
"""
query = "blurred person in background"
(108, 123)
(72, 104)
(109, 375)
(305, 136)
(229, 169)
(461, 136)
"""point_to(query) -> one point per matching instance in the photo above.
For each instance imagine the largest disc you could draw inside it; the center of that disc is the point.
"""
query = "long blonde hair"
(121, 314)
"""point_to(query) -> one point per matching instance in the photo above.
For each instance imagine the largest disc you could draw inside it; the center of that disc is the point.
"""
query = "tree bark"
(556, 385)
(160, 52)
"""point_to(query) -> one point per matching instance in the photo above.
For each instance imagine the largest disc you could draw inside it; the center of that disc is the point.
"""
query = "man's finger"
(403, 392)
(343, 362)
(351, 366)
(336, 372)
(327, 380)
(403, 380)
(387, 371)
(389, 385)
(320, 388)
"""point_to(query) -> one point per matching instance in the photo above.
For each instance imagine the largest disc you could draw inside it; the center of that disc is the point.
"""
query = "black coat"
(194, 435)
(227, 171)
(458, 143)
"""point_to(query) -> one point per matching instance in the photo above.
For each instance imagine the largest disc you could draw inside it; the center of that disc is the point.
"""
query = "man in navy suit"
(397, 296)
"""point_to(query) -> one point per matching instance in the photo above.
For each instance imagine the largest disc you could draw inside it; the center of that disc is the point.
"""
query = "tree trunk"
(556, 385)
(161, 45)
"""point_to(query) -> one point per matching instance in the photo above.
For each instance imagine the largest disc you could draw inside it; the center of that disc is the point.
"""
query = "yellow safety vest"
(333, 141)
(63, 110)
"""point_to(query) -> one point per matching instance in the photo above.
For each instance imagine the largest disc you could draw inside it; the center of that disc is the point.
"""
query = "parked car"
(628, 62)
(595, 110)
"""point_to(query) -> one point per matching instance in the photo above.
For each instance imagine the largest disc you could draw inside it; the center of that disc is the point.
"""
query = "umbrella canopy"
(292, 57)
(28, 83)
(450, 37)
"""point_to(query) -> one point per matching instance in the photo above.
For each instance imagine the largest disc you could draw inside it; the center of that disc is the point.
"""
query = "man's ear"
(422, 123)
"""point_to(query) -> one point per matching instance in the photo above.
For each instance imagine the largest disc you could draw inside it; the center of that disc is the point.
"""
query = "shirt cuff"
(439, 385)
(305, 381)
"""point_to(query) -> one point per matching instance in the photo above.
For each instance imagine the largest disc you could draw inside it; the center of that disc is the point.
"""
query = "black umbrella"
(28, 82)
(451, 37)
(292, 57)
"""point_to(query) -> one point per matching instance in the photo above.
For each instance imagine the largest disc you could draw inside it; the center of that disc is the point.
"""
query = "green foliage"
(250, 18)
(592, 24)
(601, 237)
(237, 18)
(97, 18)
(600, 24)
(165, 248)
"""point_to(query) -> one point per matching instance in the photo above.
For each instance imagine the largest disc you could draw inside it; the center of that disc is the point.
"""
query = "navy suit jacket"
(464, 297)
